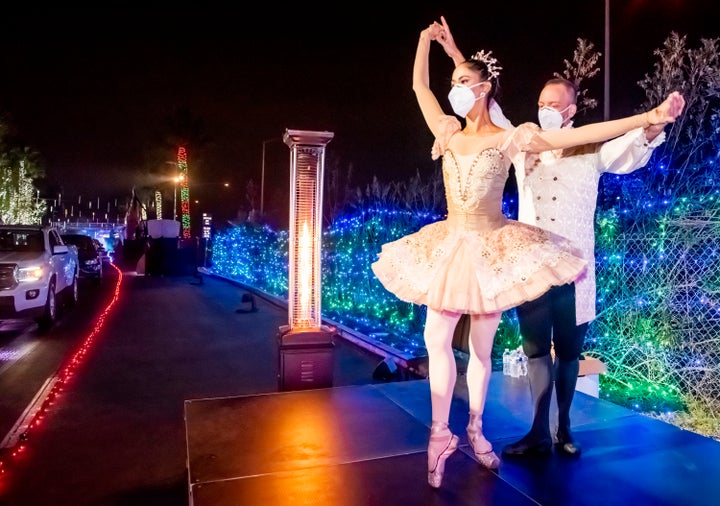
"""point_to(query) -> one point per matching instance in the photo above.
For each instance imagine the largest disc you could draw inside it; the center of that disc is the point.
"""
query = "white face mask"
(462, 98)
(550, 119)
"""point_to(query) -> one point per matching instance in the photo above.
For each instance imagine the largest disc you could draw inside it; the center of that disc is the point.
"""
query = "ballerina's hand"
(435, 31)
(445, 39)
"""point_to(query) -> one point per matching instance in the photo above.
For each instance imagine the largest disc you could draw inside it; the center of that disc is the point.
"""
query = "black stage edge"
(366, 445)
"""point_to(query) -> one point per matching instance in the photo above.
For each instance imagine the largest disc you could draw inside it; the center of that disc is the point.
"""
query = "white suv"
(35, 267)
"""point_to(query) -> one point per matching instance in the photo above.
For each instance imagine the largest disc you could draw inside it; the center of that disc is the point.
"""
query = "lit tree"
(19, 199)
(184, 192)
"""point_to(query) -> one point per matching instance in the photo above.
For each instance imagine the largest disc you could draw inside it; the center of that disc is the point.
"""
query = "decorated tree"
(19, 199)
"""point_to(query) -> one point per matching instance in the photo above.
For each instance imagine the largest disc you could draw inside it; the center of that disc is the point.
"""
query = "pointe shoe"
(481, 446)
(443, 443)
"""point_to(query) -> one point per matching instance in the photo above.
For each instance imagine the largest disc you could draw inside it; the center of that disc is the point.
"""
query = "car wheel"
(74, 295)
(45, 322)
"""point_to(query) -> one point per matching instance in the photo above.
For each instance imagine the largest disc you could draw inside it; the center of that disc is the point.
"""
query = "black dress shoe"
(528, 446)
(567, 444)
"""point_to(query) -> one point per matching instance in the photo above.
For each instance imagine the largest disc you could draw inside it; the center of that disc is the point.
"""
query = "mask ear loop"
(482, 94)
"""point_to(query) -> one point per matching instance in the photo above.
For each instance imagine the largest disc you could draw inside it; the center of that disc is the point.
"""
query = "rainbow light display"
(184, 192)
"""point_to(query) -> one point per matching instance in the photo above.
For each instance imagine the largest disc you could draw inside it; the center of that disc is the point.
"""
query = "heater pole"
(305, 344)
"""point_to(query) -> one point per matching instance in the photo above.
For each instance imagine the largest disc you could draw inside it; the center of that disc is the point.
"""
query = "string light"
(184, 192)
(54, 390)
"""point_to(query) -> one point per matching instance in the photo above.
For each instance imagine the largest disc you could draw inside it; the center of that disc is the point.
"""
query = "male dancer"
(558, 192)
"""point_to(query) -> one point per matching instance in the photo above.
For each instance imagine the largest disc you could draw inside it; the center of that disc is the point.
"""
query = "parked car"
(89, 256)
(103, 251)
(36, 266)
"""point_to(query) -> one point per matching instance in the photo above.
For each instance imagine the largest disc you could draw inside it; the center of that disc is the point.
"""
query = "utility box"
(306, 358)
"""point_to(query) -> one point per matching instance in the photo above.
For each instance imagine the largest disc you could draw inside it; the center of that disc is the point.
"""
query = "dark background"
(95, 90)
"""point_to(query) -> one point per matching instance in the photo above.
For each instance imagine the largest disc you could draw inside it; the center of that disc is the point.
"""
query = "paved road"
(115, 435)
(28, 357)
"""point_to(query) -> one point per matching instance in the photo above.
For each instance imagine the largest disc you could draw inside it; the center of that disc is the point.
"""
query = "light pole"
(606, 97)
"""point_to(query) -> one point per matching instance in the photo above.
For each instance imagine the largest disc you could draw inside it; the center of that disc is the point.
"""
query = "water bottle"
(523, 365)
(522, 361)
(506, 361)
(514, 364)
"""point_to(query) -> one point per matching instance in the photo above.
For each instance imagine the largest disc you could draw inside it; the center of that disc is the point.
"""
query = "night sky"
(91, 90)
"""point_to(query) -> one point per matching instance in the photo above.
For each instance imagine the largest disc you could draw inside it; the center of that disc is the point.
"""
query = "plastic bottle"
(506, 361)
(514, 364)
(523, 365)
(521, 361)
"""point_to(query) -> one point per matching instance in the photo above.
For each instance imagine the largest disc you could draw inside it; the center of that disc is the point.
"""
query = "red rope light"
(54, 388)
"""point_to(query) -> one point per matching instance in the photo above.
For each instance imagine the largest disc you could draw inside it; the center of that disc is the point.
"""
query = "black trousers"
(550, 319)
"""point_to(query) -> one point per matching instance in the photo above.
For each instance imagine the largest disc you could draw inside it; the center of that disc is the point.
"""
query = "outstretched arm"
(653, 131)
(427, 101)
(665, 113)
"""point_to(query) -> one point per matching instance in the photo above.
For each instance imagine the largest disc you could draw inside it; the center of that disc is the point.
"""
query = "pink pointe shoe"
(442, 444)
(481, 446)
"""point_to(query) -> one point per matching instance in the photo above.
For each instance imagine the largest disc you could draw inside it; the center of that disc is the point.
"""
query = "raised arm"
(665, 113)
(429, 105)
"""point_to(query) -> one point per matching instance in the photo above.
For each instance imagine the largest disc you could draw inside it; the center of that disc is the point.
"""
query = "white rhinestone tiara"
(489, 61)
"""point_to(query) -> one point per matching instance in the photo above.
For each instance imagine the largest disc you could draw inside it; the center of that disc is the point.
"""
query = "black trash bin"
(306, 358)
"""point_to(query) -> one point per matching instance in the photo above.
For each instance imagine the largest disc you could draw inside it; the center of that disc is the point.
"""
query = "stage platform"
(366, 445)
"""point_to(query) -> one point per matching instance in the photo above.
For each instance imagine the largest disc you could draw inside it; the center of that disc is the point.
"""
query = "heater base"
(306, 359)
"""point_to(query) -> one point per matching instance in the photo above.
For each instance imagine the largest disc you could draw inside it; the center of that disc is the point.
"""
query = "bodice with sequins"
(474, 187)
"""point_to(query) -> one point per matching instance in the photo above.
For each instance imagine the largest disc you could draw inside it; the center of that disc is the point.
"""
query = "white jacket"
(558, 192)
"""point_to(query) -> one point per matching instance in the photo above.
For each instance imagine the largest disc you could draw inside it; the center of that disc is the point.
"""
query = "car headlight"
(33, 273)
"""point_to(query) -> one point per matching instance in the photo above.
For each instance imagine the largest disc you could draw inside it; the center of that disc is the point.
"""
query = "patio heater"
(305, 344)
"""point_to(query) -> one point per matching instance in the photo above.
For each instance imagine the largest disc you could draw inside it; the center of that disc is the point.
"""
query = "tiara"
(490, 62)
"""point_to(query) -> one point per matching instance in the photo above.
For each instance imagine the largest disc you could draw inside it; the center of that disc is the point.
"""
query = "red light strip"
(54, 387)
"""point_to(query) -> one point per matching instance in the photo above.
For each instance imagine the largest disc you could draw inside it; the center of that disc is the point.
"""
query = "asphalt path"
(29, 358)
(114, 434)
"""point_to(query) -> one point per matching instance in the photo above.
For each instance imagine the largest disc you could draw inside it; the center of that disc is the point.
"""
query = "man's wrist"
(652, 131)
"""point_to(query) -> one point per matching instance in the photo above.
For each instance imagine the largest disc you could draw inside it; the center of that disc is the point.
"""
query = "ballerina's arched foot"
(481, 446)
(488, 459)
(443, 443)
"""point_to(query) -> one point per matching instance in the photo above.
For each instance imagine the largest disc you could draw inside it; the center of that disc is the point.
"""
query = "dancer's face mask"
(462, 98)
(550, 119)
